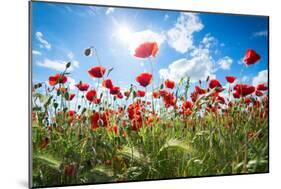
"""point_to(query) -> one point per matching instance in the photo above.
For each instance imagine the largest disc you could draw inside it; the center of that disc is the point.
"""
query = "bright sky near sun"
(195, 45)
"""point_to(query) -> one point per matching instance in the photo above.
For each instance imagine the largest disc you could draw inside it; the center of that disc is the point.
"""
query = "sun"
(124, 34)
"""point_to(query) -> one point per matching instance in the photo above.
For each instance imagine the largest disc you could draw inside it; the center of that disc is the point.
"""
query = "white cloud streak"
(225, 63)
(36, 52)
(57, 65)
(43, 42)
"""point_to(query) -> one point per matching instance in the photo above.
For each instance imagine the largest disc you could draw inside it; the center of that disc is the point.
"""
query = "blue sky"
(195, 45)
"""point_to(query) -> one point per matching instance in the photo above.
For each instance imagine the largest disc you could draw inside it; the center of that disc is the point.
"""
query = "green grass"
(171, 147)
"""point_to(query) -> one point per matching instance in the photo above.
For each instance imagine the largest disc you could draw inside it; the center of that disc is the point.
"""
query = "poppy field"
(112, 135)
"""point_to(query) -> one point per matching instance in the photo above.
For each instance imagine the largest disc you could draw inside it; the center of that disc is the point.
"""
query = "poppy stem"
(76, 99)
(97, 55)
(152, 86)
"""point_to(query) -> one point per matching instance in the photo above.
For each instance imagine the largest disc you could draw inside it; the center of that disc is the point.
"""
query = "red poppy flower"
(187, 105)
(258, 93)
(133, 110)
(127, 93)
(97, 71)
(163, 93)
(156, 94)
(97, 101)
(82, 86)
(140, 93)
(70, 97)
(236, 94)
(244, 89)
(194, 96)
(94, 120)
(146, 49)
(221, 100)
(199, 90)
(262, 87)
(251, 57)
(214, 84)
(104, 117)
(144, 79)
(119, 95)
(115, 90)
(57, 78)
(169, 100)
(230, 79)
(107, 83)
(71, 113)
(169, 84)
(91, 95)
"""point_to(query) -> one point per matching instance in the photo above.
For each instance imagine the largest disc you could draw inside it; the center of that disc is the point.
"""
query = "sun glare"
(124, 34)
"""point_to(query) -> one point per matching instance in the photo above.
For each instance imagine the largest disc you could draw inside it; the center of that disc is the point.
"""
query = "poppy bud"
(83, 111)
(161, 86)
(88, 52)
(207, 78)
(66, 95)
(114, 98)
(56, 105)
(68, 65)
(100, 122)
(38, 85)
(79, 106)
(58, 92)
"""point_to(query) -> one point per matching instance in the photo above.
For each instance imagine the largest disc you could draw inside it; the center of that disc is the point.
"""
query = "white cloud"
(199, 67)
(208, 40)
(70, 55)
(144, 36)
(75, 63)
(180, 37)
(225, 63)
(109, 10)
(44, 42)
(263, 33)
(57, 65)
(36, 52)
(261, 78)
